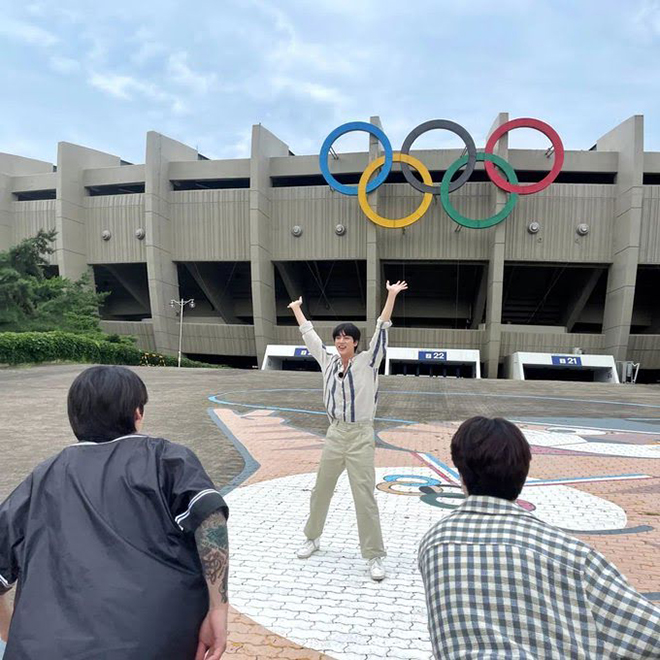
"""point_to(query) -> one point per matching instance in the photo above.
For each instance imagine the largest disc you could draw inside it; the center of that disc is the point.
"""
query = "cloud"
(27, 32)
(64, 65)
(183, 75)
(126, 88)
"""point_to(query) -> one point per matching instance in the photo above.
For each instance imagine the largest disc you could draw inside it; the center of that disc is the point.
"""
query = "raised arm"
(393, 290)
(213, 549)
(378, 343)
(311, 339)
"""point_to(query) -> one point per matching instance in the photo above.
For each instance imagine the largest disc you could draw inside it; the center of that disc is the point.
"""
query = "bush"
(35, 347)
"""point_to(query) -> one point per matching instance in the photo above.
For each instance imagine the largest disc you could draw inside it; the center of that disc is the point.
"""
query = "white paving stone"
(327, 602)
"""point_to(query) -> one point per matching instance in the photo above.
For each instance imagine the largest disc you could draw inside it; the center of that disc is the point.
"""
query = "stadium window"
(34, 195)
(210, 184)
(117, 189)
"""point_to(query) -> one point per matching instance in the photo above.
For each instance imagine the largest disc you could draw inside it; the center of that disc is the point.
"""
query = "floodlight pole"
(181, 305)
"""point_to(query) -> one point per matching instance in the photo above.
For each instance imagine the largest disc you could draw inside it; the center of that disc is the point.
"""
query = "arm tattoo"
(213, 548)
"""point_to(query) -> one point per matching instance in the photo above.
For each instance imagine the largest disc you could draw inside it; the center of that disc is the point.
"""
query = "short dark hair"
(347, 329)
(492, 457)
(102, 402)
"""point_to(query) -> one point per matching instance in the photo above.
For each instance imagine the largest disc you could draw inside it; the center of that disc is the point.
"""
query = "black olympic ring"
(446, 125)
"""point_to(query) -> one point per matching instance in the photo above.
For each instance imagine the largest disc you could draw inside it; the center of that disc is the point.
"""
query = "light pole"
(181, 304)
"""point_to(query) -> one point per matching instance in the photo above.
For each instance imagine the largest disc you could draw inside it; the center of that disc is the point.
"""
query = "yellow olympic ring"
(395, 223)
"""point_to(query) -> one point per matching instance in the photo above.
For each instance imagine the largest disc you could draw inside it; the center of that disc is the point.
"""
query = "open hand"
(295, 303)
(397, 288)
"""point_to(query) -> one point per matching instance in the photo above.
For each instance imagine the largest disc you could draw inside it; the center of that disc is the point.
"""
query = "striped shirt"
(353, 396)
(502, 584)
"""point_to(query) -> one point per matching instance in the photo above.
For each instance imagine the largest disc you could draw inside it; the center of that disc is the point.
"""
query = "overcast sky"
(101, 74)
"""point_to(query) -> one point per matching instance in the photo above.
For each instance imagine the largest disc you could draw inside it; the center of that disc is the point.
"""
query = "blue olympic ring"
(348, 128)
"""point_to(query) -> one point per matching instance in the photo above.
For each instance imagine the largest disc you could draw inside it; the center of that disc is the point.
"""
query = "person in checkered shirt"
(500, 583)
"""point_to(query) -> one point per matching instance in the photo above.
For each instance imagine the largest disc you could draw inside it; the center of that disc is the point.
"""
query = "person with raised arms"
(350, 396)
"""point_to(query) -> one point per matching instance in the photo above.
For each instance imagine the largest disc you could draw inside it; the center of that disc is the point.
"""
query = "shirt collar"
(487, 505)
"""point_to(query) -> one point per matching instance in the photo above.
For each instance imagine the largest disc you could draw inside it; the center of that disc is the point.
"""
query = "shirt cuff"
(306, 327)
(201, 507)
(383, 325)
(5, 585)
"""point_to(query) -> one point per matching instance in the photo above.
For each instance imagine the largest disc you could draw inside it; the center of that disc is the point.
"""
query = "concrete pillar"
(10, 166)
(71, 242)
(264, 147)
(628, 139)
(6, 213)
(375, 282)
(161, 270)
(490, 351)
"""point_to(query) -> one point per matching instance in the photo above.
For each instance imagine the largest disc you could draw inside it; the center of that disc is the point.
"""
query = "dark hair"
(102, 402)
(492, 456)
(347, 329)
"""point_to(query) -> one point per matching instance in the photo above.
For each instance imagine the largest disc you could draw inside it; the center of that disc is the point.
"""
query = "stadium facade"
(576, 265)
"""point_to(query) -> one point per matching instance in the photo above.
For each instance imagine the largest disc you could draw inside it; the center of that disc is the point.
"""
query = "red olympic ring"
(525, 122)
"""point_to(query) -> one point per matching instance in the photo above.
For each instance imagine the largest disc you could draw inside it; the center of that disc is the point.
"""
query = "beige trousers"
(348, 446)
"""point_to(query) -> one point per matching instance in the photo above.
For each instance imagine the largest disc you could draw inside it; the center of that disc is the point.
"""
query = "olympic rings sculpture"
(493, 164)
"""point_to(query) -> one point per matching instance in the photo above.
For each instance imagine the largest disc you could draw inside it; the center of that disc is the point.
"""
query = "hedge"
(35, 347)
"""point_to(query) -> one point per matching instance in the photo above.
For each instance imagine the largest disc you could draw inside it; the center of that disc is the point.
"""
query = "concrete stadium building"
(576, 265)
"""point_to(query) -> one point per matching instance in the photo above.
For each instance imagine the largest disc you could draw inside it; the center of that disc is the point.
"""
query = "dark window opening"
(524, 176)
(558, 295)
(51, 271)
(331, 290)
(651, 179)
(118, 189)
(34, 195)
(548, 373)
(648, 376)
(129, 291)
(232, 361)
(222, 290)
(442, 294)
(646, 312)
(210, 184)
(440, 370)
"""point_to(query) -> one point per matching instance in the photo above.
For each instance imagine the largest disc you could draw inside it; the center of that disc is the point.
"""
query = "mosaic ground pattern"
(596, 483)
(595, 471)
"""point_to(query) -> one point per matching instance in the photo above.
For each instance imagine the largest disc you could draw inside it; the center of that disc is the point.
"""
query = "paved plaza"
(595, 472)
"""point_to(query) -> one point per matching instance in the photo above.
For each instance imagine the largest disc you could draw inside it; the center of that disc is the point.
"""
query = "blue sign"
(432, 356)
(567, 360)
(301, 352)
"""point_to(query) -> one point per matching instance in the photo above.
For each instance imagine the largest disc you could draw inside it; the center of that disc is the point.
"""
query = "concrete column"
(374, 276)
(71, 242)
(161, 270)
(264, 146)
(6, 213)
(490, 351)
(628, 139)
(10, 166)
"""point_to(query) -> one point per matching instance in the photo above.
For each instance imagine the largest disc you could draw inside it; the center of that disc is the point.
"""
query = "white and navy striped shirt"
(353, 396)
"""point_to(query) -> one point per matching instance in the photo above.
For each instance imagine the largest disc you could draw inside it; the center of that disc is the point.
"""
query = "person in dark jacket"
(118, 544)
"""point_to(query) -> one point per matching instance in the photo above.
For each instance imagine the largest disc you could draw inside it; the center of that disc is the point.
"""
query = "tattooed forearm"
(213, 548)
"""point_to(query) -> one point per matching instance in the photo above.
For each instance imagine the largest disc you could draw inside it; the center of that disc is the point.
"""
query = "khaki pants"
(348, 446)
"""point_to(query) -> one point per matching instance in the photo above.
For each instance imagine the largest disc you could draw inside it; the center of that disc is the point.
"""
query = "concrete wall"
(255, 225)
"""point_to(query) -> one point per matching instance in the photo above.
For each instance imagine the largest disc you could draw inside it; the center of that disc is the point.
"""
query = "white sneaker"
(308, 548)
(376, 569)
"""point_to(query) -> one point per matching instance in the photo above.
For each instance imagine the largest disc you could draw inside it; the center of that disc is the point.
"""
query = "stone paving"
(595, 472)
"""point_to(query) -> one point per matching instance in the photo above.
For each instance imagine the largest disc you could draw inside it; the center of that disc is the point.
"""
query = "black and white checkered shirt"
(500, 583)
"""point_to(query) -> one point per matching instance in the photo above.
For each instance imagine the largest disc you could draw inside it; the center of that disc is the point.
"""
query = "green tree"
(29, 301)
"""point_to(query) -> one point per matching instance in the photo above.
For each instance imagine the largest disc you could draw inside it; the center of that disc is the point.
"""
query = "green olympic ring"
(510, 174)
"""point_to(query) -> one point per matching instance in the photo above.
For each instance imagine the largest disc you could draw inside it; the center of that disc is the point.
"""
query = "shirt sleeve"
(13, 515)
(628, 624)
(314, 344)
(378, 343)
(188, 490)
